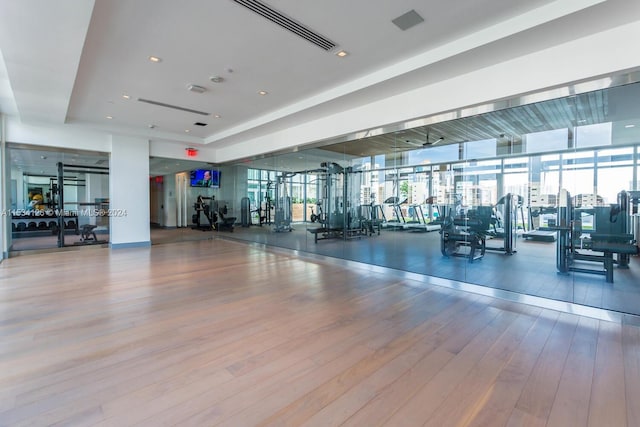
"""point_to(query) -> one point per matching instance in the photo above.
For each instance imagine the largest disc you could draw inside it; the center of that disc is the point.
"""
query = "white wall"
(56, 136)
(129, 192)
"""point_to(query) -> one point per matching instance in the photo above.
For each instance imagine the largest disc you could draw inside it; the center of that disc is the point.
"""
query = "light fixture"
(217, 116)
(216, 79)
(191, 152)
(154, 59)
(109, 117)
(342, 53)
(630, 126)
(187, 130)
(125, 96)
(263, 92)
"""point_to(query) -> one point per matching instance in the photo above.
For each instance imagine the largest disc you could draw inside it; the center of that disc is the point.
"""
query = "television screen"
(205, 178)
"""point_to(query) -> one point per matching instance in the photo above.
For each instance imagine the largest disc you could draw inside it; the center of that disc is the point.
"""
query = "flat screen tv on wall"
(205, 178)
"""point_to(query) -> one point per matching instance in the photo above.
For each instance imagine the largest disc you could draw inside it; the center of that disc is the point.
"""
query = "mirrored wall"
(57, 198)
(540, 199)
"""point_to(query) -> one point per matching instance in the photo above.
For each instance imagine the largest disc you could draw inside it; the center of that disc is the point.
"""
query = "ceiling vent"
(408, 20)
(287, 23)
(200, 124)
(175, 107)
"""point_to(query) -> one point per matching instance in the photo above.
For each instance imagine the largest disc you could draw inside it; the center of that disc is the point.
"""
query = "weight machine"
(68, 220)
(342, 215)
(611, 235)
(472, 228)
(283, 209)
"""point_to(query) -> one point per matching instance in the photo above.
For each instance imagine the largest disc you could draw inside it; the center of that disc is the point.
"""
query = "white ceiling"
(70, 61)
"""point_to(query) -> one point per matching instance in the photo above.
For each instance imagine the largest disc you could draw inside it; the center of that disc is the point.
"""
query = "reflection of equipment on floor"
(473, 228)
(203, 208)
(609, 236)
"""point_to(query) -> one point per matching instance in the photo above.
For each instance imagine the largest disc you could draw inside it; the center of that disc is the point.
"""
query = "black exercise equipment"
(202, 208)
(221, 221)
(245, 212)
(472, 229)
(68, 220)
(88, 233)
(610, 237)
(465, 231)
(283, 209)
(340, 216)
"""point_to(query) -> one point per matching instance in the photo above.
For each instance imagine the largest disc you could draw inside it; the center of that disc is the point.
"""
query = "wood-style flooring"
(217, 332)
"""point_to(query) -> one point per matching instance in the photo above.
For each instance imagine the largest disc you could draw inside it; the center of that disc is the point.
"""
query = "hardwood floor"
(217, 332)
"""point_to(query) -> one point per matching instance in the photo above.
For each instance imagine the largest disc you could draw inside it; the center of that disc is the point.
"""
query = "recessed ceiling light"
(216, 79)
(630, 126)
(217, 116)
(342, 54)
(109, 117)
(196, 88)
(187, 130)
(154, 59)
(263, 92)
(125, 96)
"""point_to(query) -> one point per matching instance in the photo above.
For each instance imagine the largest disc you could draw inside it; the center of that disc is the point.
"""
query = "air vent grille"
(175, 107)
(200, 124)
(287, 23)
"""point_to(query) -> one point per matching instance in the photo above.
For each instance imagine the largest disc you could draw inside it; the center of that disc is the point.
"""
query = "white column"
(129, 192)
